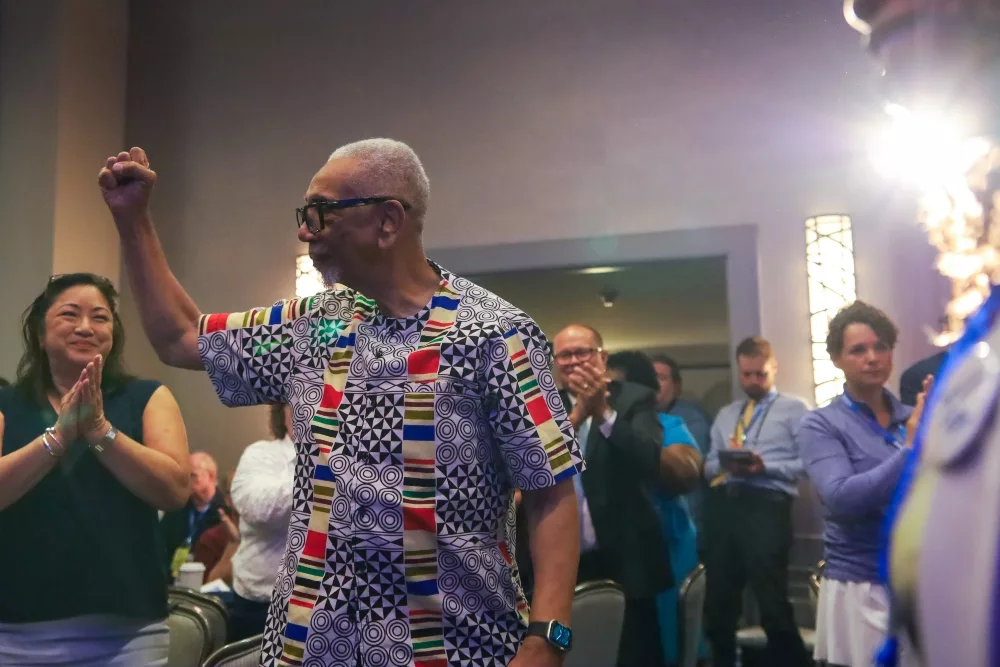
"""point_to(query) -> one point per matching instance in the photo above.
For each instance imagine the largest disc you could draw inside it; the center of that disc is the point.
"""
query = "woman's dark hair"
(637, 367)
(34, 375)
(859, 312)
(276, 417)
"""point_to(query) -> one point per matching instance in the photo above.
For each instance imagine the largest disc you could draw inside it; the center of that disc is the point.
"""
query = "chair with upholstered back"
(598, 615)
(690, 614)
(190, 636)
(211, 607)
(244, 653)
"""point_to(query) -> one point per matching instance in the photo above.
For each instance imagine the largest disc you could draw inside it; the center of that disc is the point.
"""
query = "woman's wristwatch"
(105, 440)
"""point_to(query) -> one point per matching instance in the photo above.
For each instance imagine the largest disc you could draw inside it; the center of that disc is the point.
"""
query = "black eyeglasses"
(314, 223)
(583, 354)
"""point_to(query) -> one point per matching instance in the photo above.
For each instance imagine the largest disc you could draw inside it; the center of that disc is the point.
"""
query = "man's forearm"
(169, 315)
(554, 533)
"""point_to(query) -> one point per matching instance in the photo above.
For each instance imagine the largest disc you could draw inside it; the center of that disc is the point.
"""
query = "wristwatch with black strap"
(559, 636)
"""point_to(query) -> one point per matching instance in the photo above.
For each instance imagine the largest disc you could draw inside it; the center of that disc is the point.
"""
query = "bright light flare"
(951, 169)
(924, 147)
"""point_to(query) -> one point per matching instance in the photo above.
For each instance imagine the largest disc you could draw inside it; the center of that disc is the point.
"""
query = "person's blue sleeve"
(676, 433)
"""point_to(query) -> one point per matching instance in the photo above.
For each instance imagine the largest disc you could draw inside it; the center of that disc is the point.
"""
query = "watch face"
(561, 636)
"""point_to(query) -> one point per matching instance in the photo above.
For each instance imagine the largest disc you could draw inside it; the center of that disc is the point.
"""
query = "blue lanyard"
(895, 439)
(760, 410)
(976, 329)
(194, 518)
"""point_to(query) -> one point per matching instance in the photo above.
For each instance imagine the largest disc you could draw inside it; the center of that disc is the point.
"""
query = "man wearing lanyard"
(181, 529)
(753, 469)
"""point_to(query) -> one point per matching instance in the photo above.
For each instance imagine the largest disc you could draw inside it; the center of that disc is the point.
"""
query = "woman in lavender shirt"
(854, 449)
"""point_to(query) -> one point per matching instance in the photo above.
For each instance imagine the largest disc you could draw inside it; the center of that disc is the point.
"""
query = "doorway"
(677, 307)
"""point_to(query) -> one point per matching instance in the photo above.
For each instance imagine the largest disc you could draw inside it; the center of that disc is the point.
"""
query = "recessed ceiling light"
(597, 270)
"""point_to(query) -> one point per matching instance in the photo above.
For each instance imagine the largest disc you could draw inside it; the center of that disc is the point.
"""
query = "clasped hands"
(589, 386)
(81, 410)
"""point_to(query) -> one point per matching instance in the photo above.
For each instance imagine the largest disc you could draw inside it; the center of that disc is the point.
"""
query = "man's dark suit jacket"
(911, 382)
(621, 470)
(174, 527)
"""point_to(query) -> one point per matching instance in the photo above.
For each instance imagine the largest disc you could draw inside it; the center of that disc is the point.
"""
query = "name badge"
(965, 407)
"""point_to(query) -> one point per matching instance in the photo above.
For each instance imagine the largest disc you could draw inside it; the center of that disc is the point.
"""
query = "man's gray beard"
(331, 276)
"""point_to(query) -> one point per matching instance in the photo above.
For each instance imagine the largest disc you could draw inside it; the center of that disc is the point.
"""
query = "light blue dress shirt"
(772, 436)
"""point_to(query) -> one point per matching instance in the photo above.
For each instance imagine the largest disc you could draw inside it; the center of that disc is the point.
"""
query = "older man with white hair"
(180, 529)
(420, 402)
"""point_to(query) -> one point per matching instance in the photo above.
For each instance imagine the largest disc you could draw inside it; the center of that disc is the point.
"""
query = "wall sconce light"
(830, 272)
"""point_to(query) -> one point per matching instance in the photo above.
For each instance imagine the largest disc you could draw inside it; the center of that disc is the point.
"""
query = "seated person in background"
(682, 464)
(80, 581)
(262, 495)
(213, 542)
(3, 382)
(854, 450)
(181, 528)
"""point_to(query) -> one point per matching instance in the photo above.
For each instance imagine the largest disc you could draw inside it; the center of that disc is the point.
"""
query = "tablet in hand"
(729, 457)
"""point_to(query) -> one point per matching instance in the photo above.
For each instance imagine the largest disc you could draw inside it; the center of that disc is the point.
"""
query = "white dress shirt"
(588, 537)
(262, 494)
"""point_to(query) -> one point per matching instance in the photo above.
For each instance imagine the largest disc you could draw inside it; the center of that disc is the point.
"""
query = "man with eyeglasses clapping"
(621, 439)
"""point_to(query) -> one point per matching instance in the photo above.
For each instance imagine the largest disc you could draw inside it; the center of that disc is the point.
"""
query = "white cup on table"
(191, 575)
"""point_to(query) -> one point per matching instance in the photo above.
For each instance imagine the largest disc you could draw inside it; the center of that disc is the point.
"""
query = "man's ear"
(390, 224)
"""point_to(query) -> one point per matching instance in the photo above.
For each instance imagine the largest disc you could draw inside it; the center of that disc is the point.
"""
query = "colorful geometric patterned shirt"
(412, 434)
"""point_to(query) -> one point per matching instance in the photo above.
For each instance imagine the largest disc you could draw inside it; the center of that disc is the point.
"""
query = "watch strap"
(543, 629)
(539, 628)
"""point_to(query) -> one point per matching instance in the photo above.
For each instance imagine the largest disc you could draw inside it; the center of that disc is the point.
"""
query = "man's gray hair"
(387, 167)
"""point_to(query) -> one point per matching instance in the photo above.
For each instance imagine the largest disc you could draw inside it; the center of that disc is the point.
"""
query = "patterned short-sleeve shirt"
(411, 435)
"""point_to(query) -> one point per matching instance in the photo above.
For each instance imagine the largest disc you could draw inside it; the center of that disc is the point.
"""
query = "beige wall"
(28, 72)
(536, 121)
(91, 125)
(62, 105)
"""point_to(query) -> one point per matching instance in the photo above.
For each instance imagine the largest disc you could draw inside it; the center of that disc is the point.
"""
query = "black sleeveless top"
(79, 542)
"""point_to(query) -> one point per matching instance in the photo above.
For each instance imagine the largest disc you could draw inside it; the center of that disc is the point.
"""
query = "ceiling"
(660, 304)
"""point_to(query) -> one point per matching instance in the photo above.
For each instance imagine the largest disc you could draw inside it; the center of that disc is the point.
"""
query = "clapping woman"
(89, 454)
